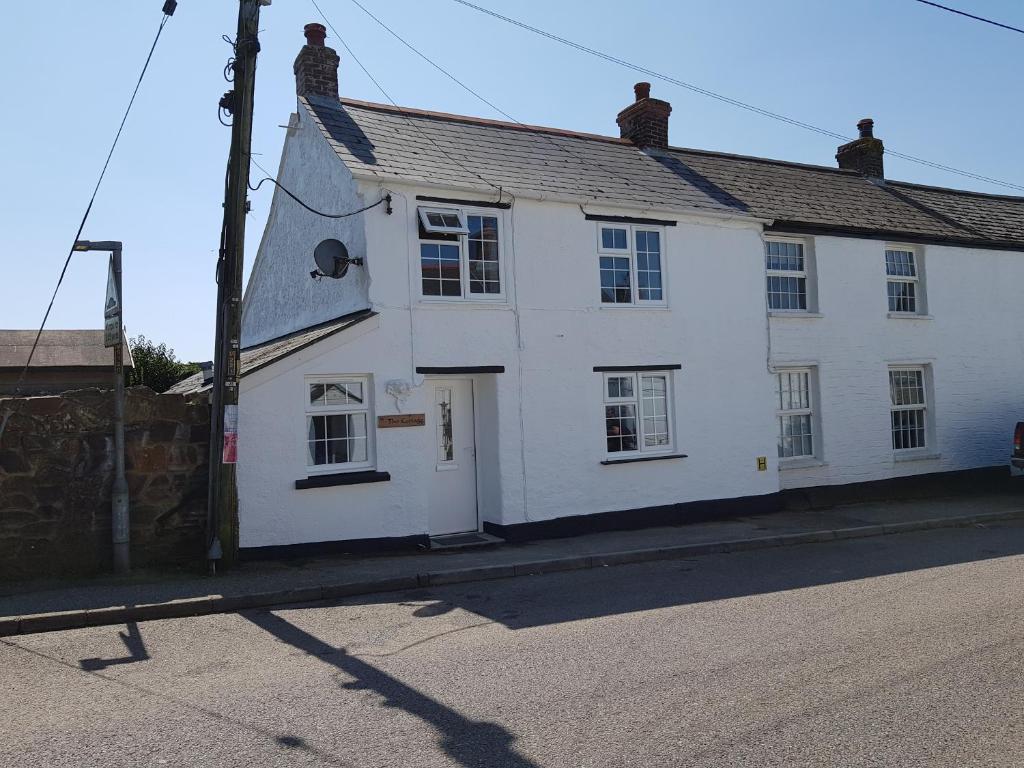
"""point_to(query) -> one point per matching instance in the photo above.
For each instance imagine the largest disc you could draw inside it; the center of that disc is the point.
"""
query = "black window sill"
(343, 478)
(635, 459)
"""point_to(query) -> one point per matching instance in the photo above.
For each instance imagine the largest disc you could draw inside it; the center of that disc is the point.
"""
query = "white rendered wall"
(540, 461)
(280, 296)
(540, 423)
(972, 341)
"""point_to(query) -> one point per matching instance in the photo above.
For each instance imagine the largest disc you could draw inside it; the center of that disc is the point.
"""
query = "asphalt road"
(891, 651)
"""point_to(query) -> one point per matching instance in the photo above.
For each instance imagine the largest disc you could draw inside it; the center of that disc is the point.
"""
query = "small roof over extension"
(260, 356)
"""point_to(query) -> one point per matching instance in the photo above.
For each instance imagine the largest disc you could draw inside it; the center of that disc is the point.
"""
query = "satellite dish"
(331, 258)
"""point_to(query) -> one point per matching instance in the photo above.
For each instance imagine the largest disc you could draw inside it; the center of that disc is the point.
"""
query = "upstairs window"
(786, 266)
(631, 261)
(903, 280)
(460, 254)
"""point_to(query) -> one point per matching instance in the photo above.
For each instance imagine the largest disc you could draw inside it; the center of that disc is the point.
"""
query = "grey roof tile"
(434, 148)
(261, 355)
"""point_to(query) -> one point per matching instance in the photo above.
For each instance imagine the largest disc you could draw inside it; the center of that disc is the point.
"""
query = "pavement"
(50, 606)
(899, 651)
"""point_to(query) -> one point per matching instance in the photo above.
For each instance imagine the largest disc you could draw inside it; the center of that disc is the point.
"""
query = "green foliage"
(156, 366)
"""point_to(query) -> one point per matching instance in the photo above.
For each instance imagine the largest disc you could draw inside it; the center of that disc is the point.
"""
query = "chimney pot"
(315, 34)
(866, 128)
(642, 91)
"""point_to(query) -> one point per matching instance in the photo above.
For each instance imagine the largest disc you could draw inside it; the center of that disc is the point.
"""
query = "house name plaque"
(402, 420)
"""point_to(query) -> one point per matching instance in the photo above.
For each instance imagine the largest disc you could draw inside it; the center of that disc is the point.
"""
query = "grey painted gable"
(280, 296)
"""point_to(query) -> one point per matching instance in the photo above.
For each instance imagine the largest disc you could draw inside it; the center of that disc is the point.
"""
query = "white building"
(546, 331)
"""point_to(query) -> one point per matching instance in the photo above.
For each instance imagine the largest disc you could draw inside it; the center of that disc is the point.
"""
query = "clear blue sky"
(938, 86)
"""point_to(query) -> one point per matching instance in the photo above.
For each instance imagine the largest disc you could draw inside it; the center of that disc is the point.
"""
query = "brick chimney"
(316, 66)
(645, 121)
(863, 154)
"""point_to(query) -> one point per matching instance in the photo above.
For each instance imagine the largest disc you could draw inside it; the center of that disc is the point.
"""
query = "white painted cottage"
(530, 331)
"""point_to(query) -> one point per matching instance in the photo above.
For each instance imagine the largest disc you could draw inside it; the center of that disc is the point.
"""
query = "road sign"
(112, 311)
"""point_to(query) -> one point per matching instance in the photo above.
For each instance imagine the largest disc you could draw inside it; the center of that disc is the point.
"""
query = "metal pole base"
(122, 557)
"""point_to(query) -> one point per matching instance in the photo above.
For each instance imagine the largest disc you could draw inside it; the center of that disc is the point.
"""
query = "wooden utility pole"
(223, 493)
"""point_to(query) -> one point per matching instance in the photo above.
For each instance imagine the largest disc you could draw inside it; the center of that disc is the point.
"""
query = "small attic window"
(443, 222)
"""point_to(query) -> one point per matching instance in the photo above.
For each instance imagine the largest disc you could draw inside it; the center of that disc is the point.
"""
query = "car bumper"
(1016, 467)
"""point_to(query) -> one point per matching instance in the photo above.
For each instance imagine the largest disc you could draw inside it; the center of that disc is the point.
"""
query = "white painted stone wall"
(971, 338)
(549, 334)
(541, 421)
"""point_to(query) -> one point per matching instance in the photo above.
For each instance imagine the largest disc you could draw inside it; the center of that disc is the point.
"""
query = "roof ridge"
(956, 191)
(759, 159)
(486, 121)
(585, 135)
(472, 120)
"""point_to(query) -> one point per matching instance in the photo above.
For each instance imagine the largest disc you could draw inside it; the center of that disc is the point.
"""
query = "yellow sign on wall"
(762, 463)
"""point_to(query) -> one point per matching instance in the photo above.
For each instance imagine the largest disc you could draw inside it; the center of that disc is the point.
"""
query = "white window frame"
(807, 273)
(917, 279)
(637, 401)
(630, 252)
(924, 407)
(462, 243)
(810, 411)
(339, 409)
(424, 214)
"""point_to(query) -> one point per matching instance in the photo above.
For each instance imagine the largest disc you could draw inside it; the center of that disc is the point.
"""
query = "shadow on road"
(470, 743)
(132, 640)
(541, 600)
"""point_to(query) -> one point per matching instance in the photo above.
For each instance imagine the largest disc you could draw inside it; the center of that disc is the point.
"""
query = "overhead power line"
(728, 100)
(971, 16)
(395, 104)
(168, 11)
(583, 161)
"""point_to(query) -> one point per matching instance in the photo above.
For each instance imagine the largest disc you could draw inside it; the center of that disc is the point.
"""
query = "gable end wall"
(280, 296)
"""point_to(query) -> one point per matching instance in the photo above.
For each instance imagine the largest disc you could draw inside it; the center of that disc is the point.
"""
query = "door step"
(471, 540)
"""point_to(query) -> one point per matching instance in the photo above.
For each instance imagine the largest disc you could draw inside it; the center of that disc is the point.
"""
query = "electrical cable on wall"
(168, 10)
(728, 100)
(385, 199)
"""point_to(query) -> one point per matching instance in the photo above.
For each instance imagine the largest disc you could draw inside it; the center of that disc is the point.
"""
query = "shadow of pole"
(132, 640)
(471, 743)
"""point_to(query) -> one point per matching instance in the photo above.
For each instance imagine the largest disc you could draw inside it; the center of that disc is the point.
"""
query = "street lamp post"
(119, 493)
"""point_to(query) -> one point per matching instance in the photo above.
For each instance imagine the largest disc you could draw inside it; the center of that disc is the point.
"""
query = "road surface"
(901, 650)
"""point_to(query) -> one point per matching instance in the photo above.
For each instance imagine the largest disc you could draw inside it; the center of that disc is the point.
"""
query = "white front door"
(453, 459)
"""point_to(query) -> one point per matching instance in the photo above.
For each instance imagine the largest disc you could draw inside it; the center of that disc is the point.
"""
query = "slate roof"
(58, 349)
(261, 355)
(383, 142)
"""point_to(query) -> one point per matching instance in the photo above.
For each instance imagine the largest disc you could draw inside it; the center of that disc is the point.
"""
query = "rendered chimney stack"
(863, 154)
(645, 121)
(316, 66)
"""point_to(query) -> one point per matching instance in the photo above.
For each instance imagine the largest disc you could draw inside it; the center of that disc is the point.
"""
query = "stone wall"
(56, 471)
